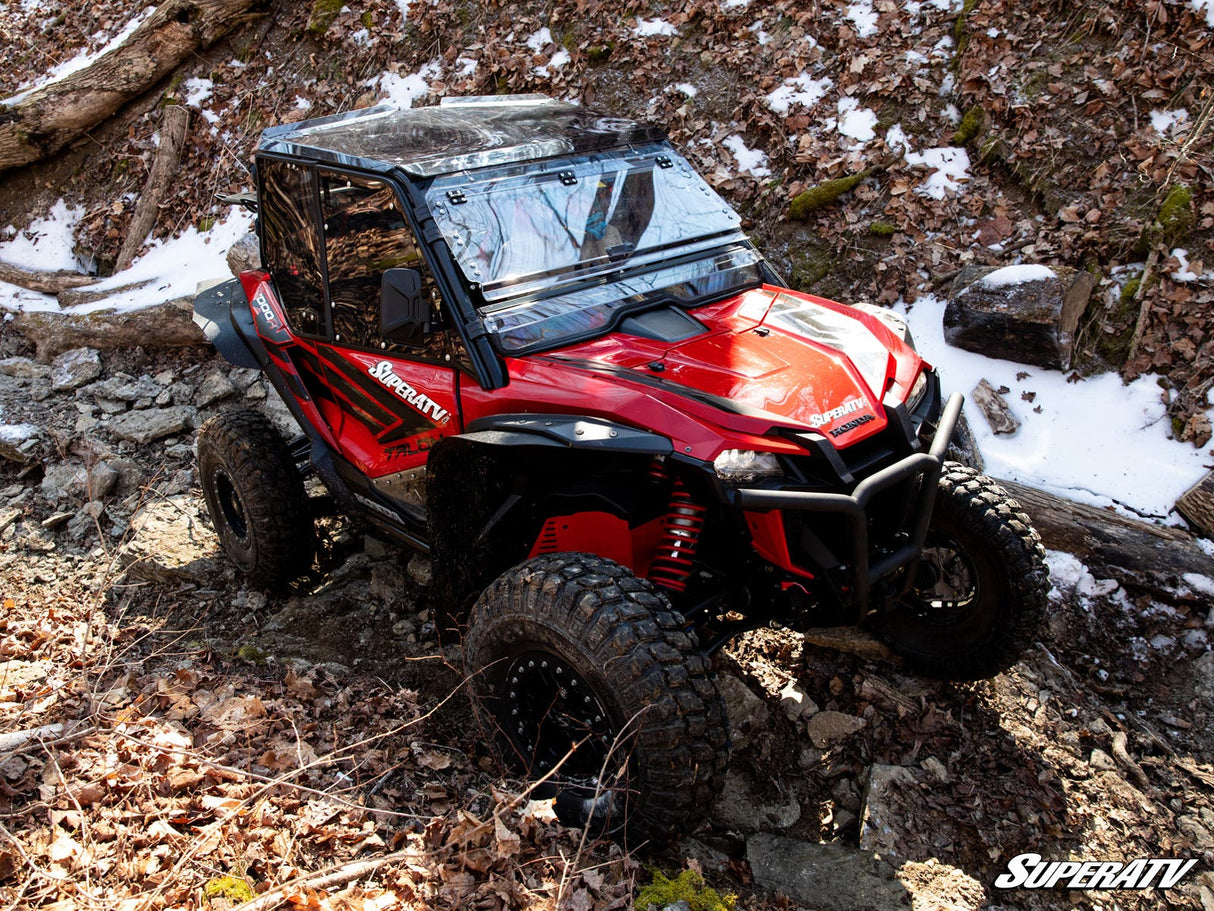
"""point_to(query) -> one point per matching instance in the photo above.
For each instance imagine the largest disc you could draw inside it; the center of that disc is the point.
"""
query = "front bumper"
(853, 507)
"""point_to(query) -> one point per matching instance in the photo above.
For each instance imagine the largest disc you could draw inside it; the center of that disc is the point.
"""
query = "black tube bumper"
(854, 506)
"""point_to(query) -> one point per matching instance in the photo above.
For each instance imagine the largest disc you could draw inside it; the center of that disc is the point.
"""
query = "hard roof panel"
(460, 134)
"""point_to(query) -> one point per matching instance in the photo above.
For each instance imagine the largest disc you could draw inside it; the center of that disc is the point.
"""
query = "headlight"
(918, 389)
(742, 466)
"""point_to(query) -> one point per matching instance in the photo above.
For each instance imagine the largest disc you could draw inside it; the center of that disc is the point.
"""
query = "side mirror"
(404, 317)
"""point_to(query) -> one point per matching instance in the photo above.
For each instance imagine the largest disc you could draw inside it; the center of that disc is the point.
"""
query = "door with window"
(386, 404)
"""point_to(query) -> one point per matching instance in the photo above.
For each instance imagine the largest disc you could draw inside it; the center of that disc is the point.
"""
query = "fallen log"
(43, 282)
(173, 126)
(1150, 557)
(48, 118)
(167, 325)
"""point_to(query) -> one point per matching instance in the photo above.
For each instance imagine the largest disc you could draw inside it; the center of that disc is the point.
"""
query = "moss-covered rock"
(824, 194)
(1115, 329)
(882, 229)
(1176, 218)
(599, 53)
(322, 16)
(1172, 224)
(972, 125)
(232, 888)
(687, 887)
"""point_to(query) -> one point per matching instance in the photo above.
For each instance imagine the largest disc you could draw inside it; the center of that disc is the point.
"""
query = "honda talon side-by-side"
(528, 340)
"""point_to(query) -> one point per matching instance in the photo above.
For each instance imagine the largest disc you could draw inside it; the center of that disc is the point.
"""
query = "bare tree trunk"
(43, 282)
(173, 126)
(54, 115)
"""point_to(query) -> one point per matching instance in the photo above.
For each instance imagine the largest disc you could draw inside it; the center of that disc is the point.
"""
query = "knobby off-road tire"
(570, 648)
(256, 497)
(980, 594)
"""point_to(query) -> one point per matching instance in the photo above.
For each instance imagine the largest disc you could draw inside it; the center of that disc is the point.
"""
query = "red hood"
(803, 361)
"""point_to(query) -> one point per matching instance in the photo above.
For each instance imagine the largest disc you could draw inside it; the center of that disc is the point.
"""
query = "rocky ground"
(202, 729)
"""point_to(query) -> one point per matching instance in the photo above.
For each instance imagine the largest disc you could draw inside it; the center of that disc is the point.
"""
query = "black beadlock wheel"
(573, 658)
(255, 496)
(980, 594)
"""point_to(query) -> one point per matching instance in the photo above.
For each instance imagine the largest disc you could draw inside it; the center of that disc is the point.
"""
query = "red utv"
(528, 340)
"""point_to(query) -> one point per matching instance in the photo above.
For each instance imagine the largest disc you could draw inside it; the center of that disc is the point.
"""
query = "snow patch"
(466, 66)
(81, 60)
(750, 161)
(802, 90)
(47, 244)
(1097, 441)
(540, 40)
(863, 17)
(760, 34)
(197, 91)
(734, 4)
(856, 122)
(170, 269)
(1206, 6)
(559, 59)
(648, 28)
(1166, 122)
(402, 91)
(403, 6)
(1199, 584)
(687, 89)
(1183, 273)
(1070, 578)
(1017, 275)
(950, 168)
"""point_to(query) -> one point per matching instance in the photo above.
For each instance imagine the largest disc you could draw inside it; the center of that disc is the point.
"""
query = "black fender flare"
(223, 314)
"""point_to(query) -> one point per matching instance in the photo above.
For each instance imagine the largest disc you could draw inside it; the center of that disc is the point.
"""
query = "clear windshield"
(517, 231)
(531, 324)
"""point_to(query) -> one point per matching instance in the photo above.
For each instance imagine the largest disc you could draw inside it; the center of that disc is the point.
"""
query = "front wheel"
(585, 674)
(980, 592)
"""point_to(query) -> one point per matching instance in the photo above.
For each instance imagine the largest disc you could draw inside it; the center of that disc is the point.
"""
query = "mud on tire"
(572, 648)
(980, 595)
(255, 497)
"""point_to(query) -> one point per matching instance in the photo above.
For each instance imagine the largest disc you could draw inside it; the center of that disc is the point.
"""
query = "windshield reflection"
(512, 228)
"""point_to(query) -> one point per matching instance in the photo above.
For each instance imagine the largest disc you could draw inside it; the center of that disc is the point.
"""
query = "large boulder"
(74, 368)
(834, 877)
(1023, 313)
(170, 542)
(156, 423)
(829, 877)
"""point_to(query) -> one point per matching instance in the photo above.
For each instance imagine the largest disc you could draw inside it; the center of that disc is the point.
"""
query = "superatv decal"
(419, 401)
(374, 405)
(827, 417)
(852, 425)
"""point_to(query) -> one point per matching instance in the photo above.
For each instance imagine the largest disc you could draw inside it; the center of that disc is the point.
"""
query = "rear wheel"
(255, 496)
(979, 595)
(579, 667)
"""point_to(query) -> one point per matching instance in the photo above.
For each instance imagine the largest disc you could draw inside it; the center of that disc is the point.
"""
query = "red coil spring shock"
(681, 527)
